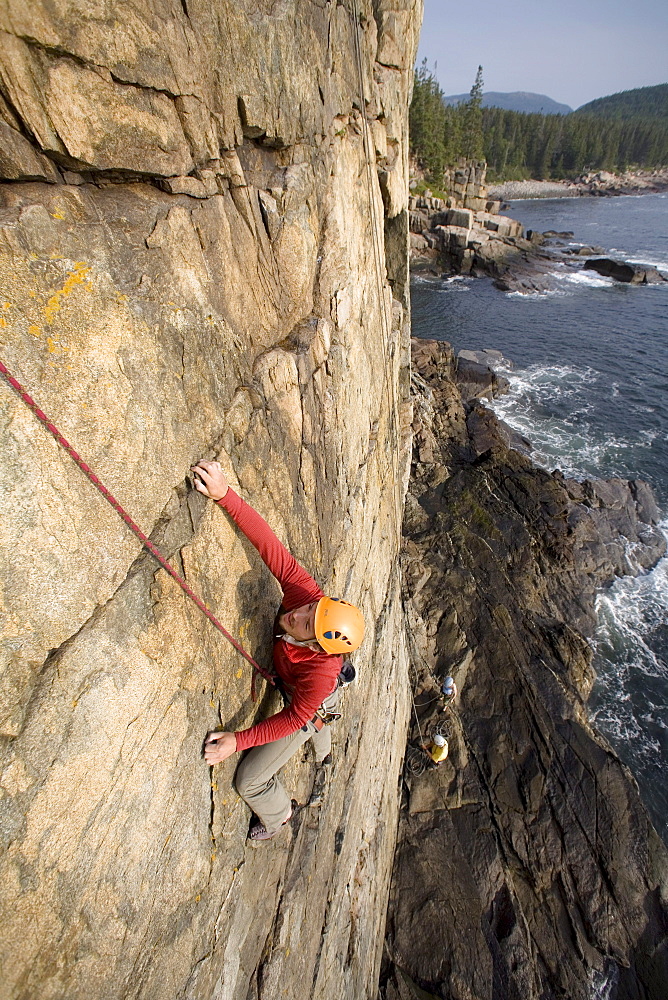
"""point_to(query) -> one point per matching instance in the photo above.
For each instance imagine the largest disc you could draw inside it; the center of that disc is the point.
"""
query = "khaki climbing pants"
(255, 776)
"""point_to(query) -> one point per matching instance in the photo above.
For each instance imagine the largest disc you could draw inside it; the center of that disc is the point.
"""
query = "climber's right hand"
(210, 479)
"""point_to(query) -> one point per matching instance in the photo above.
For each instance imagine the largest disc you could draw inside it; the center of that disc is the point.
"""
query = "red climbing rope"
(134, 528)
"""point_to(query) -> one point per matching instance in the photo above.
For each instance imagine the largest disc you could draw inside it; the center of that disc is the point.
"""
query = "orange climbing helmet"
(339, 626)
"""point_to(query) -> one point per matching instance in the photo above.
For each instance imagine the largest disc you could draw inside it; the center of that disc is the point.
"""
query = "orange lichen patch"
(75, 277)
(35, 330)
(6, 305)
(3, 321)
(57, 215)
(52, 344)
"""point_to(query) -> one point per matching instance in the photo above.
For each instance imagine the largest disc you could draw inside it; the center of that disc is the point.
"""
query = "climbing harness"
(322, 718)
(134, 528)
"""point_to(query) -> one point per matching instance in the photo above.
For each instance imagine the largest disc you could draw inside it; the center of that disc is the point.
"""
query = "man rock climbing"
(312, 632)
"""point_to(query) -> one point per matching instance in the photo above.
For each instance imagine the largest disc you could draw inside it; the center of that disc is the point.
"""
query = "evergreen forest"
(518, 145)
(645, 102)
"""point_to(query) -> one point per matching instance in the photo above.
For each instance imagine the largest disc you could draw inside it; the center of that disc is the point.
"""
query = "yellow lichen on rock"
(77, 276)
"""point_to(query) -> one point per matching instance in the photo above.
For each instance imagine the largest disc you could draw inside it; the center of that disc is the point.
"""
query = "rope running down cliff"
(134, 528)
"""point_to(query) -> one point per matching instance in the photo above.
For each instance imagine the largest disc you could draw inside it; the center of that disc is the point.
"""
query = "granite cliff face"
(191, 196)
(526, 865)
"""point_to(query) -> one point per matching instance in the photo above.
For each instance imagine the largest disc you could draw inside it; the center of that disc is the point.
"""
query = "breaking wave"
(550, 405)
(628, 703)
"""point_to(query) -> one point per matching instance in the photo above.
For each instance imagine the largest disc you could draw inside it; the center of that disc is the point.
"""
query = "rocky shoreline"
(526, 865)
(460, 241)
(601, 183)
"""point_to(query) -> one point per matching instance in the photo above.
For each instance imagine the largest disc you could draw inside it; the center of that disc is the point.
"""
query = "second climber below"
(312, 633)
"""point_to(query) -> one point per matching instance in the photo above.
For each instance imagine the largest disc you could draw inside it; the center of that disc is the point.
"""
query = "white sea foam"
(545, 294)
(589, 278)
(458, 283)
(421, 279)
(603, 985)
(641, 602)
(632, 674)
(576, 445)
(569, 281)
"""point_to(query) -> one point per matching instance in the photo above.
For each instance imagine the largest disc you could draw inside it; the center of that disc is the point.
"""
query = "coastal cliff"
(189, 214)
(526, 865)
(204, 253)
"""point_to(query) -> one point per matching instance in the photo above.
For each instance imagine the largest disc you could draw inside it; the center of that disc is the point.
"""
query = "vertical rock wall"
(187, 231)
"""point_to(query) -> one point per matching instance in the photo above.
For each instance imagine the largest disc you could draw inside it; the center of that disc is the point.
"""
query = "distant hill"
(520, 100)
(644, 102)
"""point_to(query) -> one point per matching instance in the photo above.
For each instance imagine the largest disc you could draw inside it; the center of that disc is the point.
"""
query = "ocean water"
(589, 388)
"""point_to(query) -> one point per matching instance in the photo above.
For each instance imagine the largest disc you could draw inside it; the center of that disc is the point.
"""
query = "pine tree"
(472, 139)
(517, 145)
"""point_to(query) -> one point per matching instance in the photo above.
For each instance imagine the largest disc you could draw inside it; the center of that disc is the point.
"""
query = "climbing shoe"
(258, 830)
(320, 781)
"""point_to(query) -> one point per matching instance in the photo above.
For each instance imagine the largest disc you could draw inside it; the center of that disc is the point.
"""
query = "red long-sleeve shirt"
(308, 675)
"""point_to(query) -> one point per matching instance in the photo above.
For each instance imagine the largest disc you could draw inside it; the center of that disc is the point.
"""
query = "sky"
(572, 51)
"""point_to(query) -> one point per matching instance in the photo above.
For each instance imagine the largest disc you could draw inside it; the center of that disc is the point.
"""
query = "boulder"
(453, 237)
(418, 242)
(477, 380)
(633, 274)
(488, 356)
(460, 217)
(499, 224)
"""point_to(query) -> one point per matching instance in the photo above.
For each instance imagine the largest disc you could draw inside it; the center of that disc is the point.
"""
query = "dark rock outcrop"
(634, 274)
(526, 865)
(477, 380)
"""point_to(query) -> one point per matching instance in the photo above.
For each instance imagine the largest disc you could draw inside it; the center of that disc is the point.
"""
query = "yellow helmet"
(339, 626)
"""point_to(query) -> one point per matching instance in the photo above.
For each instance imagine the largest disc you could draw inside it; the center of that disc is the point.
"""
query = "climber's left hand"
(218, 747)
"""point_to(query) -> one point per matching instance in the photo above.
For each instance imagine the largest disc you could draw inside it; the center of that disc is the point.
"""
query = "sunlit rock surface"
(188, 227)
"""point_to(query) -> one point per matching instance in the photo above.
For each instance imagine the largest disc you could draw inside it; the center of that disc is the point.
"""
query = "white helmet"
(439, 740)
